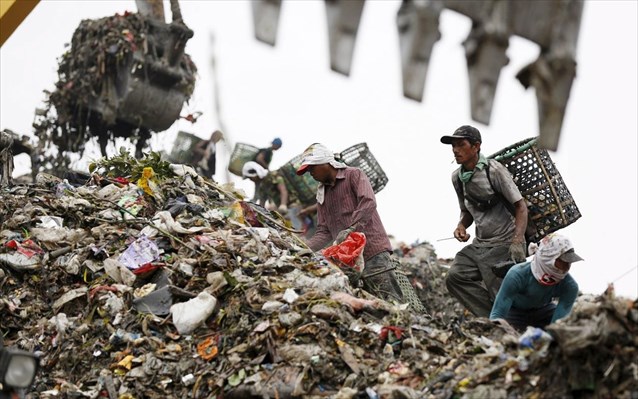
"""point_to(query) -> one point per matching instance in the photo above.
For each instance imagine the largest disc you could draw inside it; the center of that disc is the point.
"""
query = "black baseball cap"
(464, 132)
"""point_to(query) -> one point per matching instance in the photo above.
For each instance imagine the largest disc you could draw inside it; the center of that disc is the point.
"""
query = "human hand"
(343, 234)
(461, 234)
(309, 210)
(283, 209)
(517, 252)
(505, 325)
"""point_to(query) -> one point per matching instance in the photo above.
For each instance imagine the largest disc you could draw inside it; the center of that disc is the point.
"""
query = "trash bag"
(349, 252)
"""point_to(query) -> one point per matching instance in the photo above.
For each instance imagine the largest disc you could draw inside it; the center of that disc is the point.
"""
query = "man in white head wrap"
(269, 186)
(346, 203)
(525, 297)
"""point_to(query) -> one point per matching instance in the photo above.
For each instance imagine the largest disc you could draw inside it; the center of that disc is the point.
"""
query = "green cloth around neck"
(466, 175)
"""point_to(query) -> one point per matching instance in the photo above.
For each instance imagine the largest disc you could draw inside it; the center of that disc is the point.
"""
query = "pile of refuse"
(144, 280)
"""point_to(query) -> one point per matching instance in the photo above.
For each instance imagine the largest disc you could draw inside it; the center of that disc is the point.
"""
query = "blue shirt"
(521, 290)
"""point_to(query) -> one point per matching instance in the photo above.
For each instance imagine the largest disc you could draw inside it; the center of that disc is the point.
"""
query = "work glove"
(343, 234)
(517, 252)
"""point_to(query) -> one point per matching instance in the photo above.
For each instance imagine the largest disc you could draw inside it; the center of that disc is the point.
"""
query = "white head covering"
(318, 154)
(551, 247)
(253, 169)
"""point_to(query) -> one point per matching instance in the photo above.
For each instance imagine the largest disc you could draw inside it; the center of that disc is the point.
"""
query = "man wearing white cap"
(346, 203)
(269, 187)
(525, 297)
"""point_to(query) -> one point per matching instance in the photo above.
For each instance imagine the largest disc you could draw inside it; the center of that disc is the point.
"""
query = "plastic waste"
(148, 183)
(140, 252)
(50, 222)
(349, 252)
(20, 262)
(177, 205)
(189, 315)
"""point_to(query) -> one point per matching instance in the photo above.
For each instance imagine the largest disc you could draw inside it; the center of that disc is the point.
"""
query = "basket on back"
(304, 187)
(241, 154)
(182, 151)
(360, 157)
(549, 203)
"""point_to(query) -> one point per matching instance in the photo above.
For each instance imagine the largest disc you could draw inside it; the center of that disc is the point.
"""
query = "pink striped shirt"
(350, 202)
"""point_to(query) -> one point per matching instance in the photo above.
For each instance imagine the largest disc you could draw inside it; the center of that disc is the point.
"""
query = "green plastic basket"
(241, 154)
(182, 151)
(303, 187)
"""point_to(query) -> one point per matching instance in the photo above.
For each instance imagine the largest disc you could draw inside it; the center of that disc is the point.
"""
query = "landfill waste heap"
(141, 279)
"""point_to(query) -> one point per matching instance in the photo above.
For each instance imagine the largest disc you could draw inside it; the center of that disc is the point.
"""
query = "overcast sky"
(290, 92)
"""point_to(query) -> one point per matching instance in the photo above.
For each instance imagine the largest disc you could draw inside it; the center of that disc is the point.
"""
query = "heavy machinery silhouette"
(139, 79)
(553, 25)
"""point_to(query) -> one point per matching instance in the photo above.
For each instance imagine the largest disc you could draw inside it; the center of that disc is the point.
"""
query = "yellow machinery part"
(12, 13)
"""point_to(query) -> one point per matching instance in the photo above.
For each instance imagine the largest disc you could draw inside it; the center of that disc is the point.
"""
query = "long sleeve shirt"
(521, 290)
(350, 202)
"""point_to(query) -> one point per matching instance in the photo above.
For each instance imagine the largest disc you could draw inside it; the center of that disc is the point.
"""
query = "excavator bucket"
(124, 76)
(418, 25)
(343, 23)
(266, 20)
(149, 89)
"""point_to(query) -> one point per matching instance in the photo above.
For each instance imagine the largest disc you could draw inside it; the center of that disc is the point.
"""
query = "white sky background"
(289, 91)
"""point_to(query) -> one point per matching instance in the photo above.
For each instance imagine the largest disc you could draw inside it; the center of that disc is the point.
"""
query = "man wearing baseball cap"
(346, 203)
(264, 155)
(489, 199)
(525, 297)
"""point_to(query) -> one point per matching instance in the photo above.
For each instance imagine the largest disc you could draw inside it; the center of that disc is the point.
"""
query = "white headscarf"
(253, 169)
(545, 254)
(318, 154)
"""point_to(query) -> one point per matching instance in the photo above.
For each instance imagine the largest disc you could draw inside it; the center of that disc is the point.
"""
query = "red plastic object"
(349, 250)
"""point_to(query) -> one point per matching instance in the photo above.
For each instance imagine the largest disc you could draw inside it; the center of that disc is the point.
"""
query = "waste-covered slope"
(158, 283)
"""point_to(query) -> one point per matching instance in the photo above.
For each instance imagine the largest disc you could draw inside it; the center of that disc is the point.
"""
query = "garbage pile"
(124, 75)
(144, 280)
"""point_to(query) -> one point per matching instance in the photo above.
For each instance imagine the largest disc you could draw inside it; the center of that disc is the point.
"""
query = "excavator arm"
(12, 13)
(553, 25)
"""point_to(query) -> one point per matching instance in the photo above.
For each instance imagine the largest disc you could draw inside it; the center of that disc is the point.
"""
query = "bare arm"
(309, 210)
(260, 159)
(465, 221)
(322, 236)
(200, 148)
(283, 193)
(520, 221)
